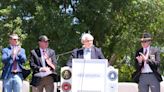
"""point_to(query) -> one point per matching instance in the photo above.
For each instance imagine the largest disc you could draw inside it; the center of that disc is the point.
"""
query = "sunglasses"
(45, 41)
(144, 41)
(15, 39)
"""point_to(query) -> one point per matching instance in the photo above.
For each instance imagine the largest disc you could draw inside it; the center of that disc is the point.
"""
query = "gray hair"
(86, 36)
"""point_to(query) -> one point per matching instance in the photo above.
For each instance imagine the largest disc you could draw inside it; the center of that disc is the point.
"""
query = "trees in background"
(116, 25)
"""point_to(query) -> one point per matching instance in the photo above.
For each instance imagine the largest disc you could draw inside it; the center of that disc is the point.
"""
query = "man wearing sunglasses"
(147, 61)
(43, 63)
(13, 58)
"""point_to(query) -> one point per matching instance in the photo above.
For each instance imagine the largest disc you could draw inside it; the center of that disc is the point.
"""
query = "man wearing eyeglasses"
(43, 63)
(13, 58)
(147, 61)
(88, 51)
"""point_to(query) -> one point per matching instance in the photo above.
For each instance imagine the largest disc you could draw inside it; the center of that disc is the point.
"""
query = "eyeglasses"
(88, 40)
(45, 41)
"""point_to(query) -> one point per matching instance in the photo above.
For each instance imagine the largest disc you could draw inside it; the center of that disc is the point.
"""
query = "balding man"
(89, 51)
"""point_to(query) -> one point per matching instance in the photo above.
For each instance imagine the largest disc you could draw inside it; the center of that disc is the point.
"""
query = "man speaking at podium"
(88, 50)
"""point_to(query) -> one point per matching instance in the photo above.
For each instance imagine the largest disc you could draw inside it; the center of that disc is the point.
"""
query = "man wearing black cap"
(13, 58)
(43, 63)
(147, 66)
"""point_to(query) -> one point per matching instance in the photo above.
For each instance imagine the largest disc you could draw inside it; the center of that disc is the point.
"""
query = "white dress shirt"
(146, 68)
(87, 53)
(42, 58)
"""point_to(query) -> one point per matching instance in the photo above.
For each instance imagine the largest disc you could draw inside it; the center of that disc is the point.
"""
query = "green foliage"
(115, 24)
(125, 73)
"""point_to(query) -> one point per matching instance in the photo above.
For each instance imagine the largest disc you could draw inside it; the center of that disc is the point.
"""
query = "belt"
(147, 73)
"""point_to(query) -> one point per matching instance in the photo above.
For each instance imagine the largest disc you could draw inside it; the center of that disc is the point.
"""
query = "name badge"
(152, 57)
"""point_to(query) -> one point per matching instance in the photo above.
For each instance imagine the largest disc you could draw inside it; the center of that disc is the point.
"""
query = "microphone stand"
(65, 53)
(62, 54)
(57, 58)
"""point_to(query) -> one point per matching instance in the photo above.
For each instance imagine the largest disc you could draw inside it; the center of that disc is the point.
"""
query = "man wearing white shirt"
(43, 61)
(147, 66)
(88, 51)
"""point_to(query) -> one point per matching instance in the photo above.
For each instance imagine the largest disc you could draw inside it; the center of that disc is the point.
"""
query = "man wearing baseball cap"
(43, 61)
(147, 61)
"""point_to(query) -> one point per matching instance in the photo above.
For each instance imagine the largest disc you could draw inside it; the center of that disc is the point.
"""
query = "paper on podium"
(43, 74)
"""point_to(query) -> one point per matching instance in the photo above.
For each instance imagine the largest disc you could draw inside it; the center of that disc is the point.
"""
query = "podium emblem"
(112, 75)
(66, 74)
